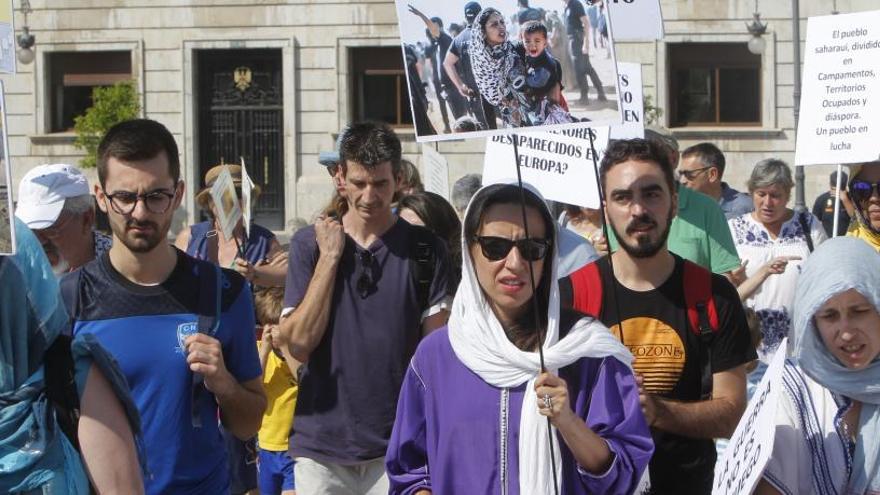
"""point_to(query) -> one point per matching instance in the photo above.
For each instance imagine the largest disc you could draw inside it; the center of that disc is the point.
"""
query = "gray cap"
(330, 158)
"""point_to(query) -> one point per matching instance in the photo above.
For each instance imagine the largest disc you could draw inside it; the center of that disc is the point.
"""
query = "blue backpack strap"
(209, 320)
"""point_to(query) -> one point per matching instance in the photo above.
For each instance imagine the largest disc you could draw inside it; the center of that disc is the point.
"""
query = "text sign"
(226, 202)
(7, 38)
(629, 83)
(559, 165)
(7, 225)
(636, 20)
(436, 170)
(247, 186)
(741, 465)
(841, 90)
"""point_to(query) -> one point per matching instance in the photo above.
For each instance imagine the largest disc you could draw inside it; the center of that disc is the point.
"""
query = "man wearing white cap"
(55, 203)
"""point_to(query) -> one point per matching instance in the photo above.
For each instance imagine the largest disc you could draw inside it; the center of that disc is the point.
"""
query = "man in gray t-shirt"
(355, 316)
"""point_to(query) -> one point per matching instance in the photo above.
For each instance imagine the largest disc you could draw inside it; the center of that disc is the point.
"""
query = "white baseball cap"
(43, 190)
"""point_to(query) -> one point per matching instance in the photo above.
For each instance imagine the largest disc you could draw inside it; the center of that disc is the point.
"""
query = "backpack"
(583, 290)
(60, 380)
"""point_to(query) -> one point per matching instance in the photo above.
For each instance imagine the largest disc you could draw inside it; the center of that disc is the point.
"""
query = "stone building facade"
(273, 81)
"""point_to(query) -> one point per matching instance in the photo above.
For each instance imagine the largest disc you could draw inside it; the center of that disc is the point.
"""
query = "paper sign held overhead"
(485, 82)
(226, 202)
(8, 43)
(636, 20)
(740, 467)
(840, 100)
(632, 101)
(559, 165)
(7, 227)
(436, 172)
(247, 186)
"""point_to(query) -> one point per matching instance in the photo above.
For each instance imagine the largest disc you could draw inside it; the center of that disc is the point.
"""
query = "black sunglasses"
(365, 282)
(862, 190)
(497, 248)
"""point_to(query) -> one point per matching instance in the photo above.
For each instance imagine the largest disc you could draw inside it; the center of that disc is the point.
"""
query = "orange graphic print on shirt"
(658, 350)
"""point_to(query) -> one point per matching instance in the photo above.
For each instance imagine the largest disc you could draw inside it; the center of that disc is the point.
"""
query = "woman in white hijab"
(471, 414)
(828, 425)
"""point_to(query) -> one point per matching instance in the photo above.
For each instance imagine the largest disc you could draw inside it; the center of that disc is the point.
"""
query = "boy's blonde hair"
(268, 302)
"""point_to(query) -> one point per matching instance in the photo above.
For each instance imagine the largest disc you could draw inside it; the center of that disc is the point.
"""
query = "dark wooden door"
(241, 115)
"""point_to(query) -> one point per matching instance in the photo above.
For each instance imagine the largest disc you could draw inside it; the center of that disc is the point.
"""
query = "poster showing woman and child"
(484, 67)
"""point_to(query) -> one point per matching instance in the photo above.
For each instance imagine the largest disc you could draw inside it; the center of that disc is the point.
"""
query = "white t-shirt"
(810, 456)
(773, 300)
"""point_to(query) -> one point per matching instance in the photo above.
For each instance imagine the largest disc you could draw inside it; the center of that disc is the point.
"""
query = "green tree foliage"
(110, 105)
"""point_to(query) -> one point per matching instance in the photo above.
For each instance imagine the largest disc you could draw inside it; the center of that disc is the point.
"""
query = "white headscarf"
(491, 65)
(838, 265)
(480, 342)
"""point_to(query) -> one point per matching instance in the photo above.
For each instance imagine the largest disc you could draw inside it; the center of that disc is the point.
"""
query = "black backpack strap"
(567, 319)
(210, 279)
(802, 219)
(61, 389)
(706, 337)
(422, 260)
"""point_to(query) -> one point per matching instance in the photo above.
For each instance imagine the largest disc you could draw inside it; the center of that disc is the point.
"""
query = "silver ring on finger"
(548, 402)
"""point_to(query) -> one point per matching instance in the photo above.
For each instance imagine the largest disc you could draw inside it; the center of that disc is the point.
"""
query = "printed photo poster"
(841, 90)
(226, 202)
(247, 186)
(7, 38)
(491, 68)
(632, 101)
(739, 468)
(435, 171)
(636, 20)
(7, 228)
(558, 164)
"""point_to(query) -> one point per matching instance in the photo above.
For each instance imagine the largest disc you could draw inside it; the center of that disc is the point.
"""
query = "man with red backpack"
(685, 326)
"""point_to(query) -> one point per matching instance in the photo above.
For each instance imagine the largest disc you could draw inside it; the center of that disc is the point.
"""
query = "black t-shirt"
(573, 13)
(543, 72)
(657, 332)
(823, 209)
(459, 48)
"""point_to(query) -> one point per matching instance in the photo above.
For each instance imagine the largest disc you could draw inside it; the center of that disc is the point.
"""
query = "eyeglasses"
(55, 230)
(690, 174)
(497, 248)
(365, 282)
(862, 190)
(124, 202)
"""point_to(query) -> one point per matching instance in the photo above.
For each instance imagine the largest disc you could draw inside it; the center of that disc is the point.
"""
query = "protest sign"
(7, 227)
(247, 185)
(486, 84)
(629, 77)
(740, 467)
(226, 202)
(559, 165)
(841, 90)
(7, 38)
(436, 172)
(636, 20)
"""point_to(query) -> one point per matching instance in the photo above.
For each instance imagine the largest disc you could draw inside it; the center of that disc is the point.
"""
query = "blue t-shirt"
(144, 327)
(255, 249)
(347, 397)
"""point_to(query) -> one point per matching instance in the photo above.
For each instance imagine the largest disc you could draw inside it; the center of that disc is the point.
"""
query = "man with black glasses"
(181, 329)
(362, 289)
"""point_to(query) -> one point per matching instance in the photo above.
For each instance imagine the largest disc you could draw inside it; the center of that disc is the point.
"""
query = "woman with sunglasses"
(864, 190)
(772, 241)
(472, 408)
(828, 416)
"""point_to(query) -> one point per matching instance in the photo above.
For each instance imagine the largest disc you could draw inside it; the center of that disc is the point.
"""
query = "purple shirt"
(447, 437)
(348, 393)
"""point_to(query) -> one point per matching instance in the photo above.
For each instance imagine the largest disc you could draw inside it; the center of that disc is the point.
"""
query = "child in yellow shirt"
(280, 382)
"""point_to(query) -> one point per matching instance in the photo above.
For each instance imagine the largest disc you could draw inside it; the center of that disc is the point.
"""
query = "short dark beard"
(648, 249)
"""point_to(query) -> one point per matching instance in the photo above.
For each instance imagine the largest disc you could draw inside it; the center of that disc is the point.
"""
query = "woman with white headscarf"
(470, 418)
(828, 423)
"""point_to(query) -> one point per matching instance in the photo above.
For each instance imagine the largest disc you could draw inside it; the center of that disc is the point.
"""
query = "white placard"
(7, 38)
(841, 90)
(226, 202)
(247, 185)
(7, 226)
(741, 465)
(524, 104)
(629, 83)
(636, 20)
(436, 170)
(559, 165)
